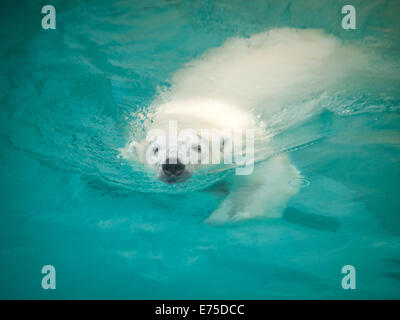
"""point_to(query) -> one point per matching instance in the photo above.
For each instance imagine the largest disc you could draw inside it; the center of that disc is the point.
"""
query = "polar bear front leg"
(264, 193)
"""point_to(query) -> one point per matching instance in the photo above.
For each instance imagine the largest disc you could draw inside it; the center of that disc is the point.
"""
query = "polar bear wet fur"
(263, 84)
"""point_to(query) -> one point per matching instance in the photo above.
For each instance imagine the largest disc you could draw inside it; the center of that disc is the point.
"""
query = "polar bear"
(224, 108)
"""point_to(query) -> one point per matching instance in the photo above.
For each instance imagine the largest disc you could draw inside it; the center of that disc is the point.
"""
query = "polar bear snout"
(173, 168)
(173, 171)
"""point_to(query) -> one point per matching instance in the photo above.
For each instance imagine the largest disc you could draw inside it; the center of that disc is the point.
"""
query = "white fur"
(267, 82)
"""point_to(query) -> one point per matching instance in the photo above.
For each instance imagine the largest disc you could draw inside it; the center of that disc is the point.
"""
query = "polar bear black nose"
(173, 169)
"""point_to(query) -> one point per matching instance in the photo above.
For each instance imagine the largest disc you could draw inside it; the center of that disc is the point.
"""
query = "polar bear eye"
(155, 150)
(197, 148)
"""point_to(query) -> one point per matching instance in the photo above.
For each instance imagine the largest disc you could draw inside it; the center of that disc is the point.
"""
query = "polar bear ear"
(133, 149)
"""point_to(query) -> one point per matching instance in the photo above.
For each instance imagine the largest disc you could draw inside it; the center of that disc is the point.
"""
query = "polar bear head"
(175, 155)
(183, 136)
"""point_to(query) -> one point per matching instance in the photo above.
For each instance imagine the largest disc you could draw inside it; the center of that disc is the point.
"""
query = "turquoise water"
(69, 200)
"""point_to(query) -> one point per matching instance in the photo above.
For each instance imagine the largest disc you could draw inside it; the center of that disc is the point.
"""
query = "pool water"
(69, 200)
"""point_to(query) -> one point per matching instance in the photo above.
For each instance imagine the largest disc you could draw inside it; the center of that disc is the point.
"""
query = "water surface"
(69, 200)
